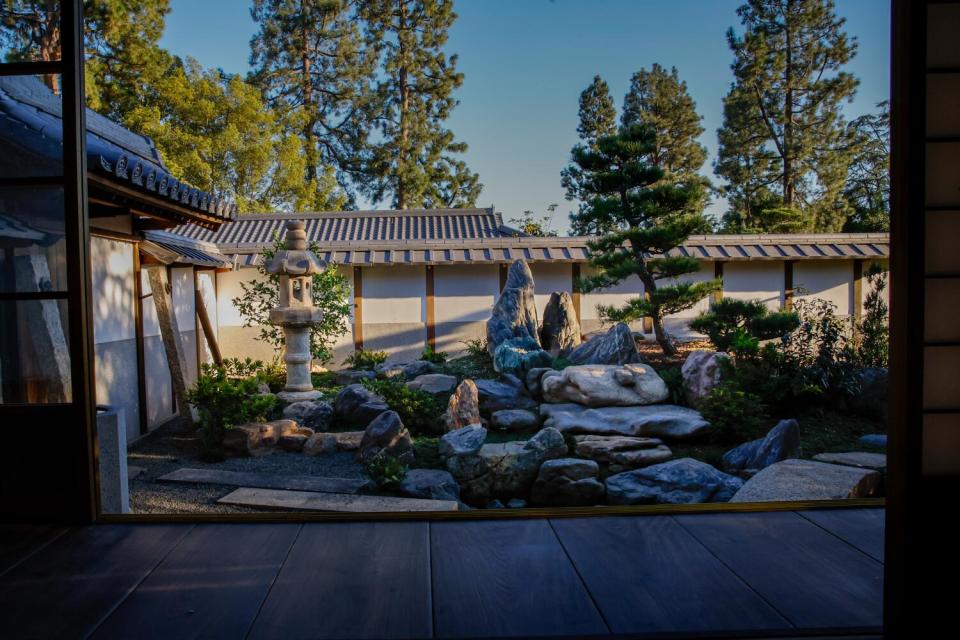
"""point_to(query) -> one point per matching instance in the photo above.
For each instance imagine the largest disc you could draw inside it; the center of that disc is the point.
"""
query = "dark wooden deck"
(771, 574)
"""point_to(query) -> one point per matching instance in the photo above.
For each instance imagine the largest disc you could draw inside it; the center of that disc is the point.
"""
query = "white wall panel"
(394, 294)
(831, 281)
(464, 293)
(111, 263)
(754, 281)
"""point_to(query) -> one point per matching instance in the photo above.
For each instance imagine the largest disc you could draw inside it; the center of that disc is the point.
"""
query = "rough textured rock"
(514, 420)
(463, 408)
(320, 444)
(516, 503)
(861, 459)
(568, 482)
(667, 421)
(313, 414)
(431, 484)
(871, 400)
(386, 435)
(622, 452)
(532, 381)
(808, 480)
(356, 406)
(389, 369)
(874, 440)
(418, 368)
(605, 385)
(295, 440)
(506, 393)
(515, 312)
(616, 346)
(514, 465)
(434, 383)
(701, 372)
(284, 427)
(246, 439)
(519, 355)
(683, 481)
(348, 440)
(560, 331)
(781, 443)
(462, 442)
(472, 475)
(346, 377)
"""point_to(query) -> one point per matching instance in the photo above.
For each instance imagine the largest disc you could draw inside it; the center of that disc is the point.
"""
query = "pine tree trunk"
(666, 345)
(50, 43)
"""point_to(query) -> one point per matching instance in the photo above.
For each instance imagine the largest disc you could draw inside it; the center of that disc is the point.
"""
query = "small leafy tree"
(331, 294)
(648, 214)
(873, 332)
(739, 325)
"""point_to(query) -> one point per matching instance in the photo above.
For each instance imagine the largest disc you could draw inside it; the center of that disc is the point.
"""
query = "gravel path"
(168, 448)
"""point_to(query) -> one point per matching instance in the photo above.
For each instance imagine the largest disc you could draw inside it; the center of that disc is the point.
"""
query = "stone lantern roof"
(296, 259)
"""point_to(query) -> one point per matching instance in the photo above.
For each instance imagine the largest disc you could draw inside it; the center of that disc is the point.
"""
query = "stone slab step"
(268, 480)
(310, 501)
(862, 459)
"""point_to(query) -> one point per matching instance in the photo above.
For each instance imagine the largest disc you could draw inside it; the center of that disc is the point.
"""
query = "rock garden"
(775, 406)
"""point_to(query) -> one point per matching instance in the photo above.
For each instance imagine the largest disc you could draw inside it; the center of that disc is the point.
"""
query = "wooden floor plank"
(352, 580)
(648, 575)
(210, 586)
(20, 541)
(67, 588)
(507, 578)
(863, 528)
(807, 574)
(267, 480)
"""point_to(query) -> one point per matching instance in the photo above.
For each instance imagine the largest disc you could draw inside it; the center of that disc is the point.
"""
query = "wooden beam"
(718, 274)
(357, 308)
(170, 334)
(787, 285)
(138, 330)
(431, 317)
(207, 327)
(857, 290)
(575, 288)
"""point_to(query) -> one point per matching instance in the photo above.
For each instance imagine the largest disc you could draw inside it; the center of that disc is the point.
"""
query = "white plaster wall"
(465, 293)
(206, 281)
(157, 372)
(184, 306)
(394, 295)
(677, 324)
(761, 281)
(831, 281)
(549, 277)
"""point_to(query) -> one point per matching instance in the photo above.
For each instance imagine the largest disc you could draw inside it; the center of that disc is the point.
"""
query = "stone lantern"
(296, 265)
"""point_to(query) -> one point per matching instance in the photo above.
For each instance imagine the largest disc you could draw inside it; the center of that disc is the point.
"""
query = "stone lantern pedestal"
(296, 265)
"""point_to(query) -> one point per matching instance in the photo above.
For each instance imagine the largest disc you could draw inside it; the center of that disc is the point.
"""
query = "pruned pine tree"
(309, 61)
(647, 215)
(414, 158)
(785, 103)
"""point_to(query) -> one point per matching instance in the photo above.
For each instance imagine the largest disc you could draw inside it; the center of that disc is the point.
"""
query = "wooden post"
(575, 288)
(208, 333)
(170, 334)
(138, 330)
(357, 308)
(718, 274)
(787, 285)
(431, 318)
(857, 290)
(504, 269)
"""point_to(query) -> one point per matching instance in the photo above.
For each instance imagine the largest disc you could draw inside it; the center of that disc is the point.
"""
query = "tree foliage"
(873, 331)
(740, 325)
(532, 225)
(647, 215)
(867, 189)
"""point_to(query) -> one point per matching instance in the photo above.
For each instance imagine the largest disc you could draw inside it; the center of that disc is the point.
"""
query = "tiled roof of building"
(170, 248)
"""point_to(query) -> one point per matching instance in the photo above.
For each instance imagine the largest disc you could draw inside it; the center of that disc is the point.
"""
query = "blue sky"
(526, 62)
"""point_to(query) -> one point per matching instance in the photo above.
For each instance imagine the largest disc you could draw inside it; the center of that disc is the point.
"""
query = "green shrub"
(477, 363)
(419, 411)
(873, 332)
(820, 353)
(436, 357)
(226, 396)
(386, 471)
(673, 377)
(737, 416)
(365, 359)
(738, 326)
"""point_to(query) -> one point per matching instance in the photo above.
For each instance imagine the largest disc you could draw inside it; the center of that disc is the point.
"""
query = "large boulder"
(515, 312)
(514, 465)
(294, 440)
(506, 393)
(386, 435)
(460, 451)
(463, 408)
(605, 385)
(249, 439)
(532, 380)
(568, 482)
(683, 481)
(781, 443)
(346, 377)
(560, 331)
(435, 383)
(356, 406)
(622, 453)
(313, 414)
(871, 399)
(616, 346)
(462, 442)
(430, 484)
(874, 440)
(861, 459)
(519, 355)
(701, 372)
(320, 444)
(666, 421)
(793, 480)
(417, 368)
(514, 420)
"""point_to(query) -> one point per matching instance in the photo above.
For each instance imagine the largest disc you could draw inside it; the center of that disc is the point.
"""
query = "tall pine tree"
(868, 180)
(789, 85)
(414, 157)
(597, 117)
(648, 214)
(309, 60)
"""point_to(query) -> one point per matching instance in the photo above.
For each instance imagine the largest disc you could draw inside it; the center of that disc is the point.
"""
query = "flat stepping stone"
(267, 480)
(861, 459)
(309, 501)
(808, 480)
(134, 471)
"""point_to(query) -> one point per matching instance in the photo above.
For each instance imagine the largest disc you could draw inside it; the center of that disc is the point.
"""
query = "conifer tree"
(789, 85)
(415, 158)
(647, 214)
(868, 181)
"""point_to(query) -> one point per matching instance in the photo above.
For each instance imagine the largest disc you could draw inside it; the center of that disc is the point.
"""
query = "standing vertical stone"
(515, 312)
(560, 331)
(463, 408)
